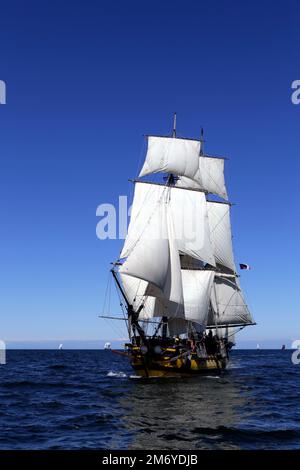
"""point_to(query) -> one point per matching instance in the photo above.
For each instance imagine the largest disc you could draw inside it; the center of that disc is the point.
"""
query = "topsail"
(209, 177)
(169, 155)
(183, 158)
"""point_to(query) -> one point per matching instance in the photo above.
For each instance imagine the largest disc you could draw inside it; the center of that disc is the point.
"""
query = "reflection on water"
(254, 404)
(181, 413)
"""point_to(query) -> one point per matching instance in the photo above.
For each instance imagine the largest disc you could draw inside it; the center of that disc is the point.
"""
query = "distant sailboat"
(107, 346)
(60, 346)
(257, 346)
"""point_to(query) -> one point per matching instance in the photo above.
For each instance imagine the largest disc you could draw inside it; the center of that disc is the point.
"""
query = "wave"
(211, 377)
(119, 375)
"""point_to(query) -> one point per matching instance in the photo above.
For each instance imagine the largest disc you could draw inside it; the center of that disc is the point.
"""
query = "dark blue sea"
(87, 400)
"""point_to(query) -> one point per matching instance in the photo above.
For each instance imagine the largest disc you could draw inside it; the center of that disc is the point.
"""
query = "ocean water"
(88, 400)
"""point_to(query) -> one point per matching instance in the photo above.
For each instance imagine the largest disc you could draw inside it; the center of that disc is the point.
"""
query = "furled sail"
(220, 233)
(171, 155)
(228, 306)
(188, 210)
(209, 177)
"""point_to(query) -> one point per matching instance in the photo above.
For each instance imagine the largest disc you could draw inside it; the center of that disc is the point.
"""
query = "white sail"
(191, 224)
(209, 177)
(220, 232)
(136, 293)
(197, 287)
(155, 259)
(174, 289)
(228, 304)
(188, 210)
(171, 155)
(225, 332)
(149, 258)
(146, 203)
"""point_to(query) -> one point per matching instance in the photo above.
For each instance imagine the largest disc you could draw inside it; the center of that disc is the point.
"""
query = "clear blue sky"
(85, 80)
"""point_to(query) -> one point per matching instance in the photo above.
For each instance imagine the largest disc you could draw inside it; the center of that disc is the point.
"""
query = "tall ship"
(176, 274)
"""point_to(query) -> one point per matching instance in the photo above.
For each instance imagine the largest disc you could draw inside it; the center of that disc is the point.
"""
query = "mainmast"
(174, 125)
(202, 141)
(171, 179)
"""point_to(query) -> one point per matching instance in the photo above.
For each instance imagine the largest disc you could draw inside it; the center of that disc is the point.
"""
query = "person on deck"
(209, 343)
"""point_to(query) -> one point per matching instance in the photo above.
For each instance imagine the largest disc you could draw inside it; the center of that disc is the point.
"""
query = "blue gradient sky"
(85, 80)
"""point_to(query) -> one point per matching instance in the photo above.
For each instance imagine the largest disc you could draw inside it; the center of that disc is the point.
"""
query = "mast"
(171, 180)
(133, 323)
(216, 314)
(201, 141)
(174, 125)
